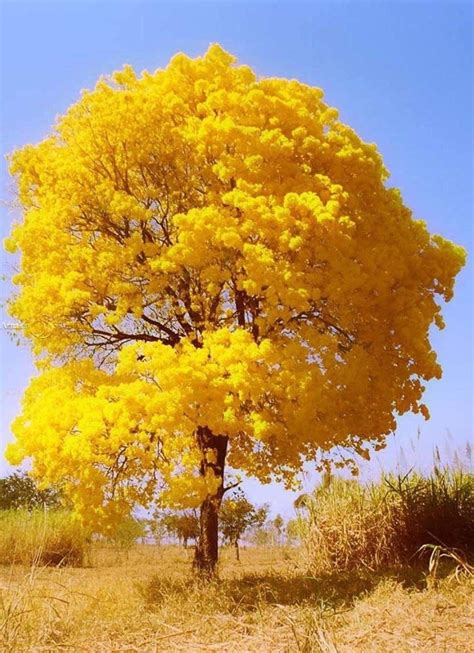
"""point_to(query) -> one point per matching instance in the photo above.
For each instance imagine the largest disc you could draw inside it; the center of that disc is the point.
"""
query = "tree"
(214, 275)
(237, 515)
(18, 490)
(156, 529)
(278, 525)
(302, 502)
(183, 525)
(127, 532)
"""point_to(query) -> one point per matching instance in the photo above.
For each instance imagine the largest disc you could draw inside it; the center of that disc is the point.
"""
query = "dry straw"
(346, 526)
(41, 538)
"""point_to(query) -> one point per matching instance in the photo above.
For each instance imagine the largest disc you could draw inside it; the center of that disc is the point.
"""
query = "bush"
(346, 525)
(40, 537)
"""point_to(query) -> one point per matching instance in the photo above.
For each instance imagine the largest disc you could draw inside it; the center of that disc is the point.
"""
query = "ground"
(145, 600)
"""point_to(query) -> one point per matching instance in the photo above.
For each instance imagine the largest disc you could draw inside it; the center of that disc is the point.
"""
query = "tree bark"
(237, 551)
(213, 449)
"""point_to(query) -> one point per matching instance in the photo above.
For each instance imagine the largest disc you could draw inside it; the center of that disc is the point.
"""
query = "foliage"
(278, 524)
(439, 553)
(127, 532)
(204, 249)
(346, 524)
(18, 490)
(293, 531)
(237, 514)
(42, 538)
(156, 529)
(263, 536)
(184, 525)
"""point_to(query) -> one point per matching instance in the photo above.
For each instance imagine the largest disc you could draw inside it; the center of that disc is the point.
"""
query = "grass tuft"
(41, 538)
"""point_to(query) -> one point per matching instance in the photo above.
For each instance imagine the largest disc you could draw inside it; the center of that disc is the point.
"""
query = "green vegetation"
(237, 515)
(127, 533)
(18, 490)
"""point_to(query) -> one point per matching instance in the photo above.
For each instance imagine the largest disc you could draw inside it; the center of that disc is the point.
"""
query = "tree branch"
(231, 487)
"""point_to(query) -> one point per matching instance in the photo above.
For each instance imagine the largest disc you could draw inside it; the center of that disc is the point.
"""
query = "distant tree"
(183, 525)
(156, 529)
(262, 536)
(278, 525)
(237, 514)
(128, 532)
(18, 490)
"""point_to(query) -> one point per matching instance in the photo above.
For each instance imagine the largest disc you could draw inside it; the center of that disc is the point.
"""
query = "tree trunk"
(237, 551)
(214, 450)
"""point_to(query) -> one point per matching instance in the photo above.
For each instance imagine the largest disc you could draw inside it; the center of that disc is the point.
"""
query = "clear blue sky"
(399, 72)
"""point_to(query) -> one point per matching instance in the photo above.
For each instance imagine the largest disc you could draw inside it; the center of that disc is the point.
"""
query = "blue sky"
(399, 72)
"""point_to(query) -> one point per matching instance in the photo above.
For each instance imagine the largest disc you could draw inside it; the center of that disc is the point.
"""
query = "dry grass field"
(146, 600)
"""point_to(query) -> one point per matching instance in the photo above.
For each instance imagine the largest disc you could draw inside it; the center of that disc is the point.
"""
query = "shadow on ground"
(252, 590)
(332, 589)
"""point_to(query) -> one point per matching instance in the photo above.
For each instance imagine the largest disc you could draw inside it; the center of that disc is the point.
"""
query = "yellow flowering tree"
(213, 272)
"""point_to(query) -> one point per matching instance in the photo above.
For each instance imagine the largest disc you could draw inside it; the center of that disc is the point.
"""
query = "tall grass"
(41, 538)
(346, 525)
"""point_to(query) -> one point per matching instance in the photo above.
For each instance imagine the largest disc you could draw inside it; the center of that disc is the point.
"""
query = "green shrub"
(346, 525)
(41, 537)
(19, 491)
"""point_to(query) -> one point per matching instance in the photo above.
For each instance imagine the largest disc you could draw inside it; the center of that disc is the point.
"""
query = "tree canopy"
(18, 490)
(213, 271)
(184, 525)
(236, 515)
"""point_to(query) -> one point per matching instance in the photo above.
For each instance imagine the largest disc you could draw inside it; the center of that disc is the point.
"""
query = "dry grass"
(147, 601)
(41, 538)
(345, 525)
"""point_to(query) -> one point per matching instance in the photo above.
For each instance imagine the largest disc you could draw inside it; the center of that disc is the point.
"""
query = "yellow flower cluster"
(200, 247)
